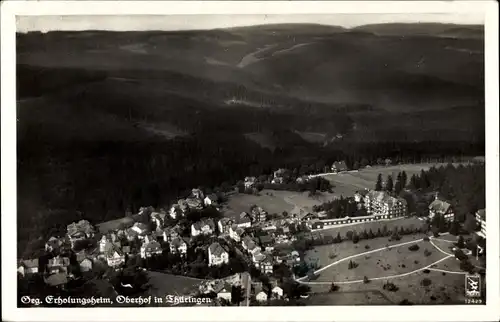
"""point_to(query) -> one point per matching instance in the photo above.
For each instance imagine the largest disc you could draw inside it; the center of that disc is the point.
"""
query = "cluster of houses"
(258, 291)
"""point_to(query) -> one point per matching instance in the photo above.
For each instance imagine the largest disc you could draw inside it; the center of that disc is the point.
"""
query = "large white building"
(383, 204)
(217, 255)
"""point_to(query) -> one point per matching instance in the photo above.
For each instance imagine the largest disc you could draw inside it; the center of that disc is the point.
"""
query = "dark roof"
(216, 249)
(57, 279)
(339, 165)
(266, 239)
(205, 221)
(439, 206)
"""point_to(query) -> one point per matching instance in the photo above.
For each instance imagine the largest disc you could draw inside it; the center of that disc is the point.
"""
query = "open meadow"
(326, 254)
(410, 222)
(346, 184)
(275, 201)
(443, 289)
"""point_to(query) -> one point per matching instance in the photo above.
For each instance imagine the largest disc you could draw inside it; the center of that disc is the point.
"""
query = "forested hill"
(114, 120)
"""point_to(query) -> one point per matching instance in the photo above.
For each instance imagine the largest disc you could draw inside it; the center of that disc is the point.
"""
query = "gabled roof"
(384, 197)
(339, 165)
(177, 242)
(57, 279)
(266, 239)
(151, 246)
(30, 263)
(439, 206)
(203, 222)
(216, 249)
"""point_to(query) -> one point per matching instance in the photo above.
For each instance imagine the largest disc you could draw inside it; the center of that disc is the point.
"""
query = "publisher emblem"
(472, 286)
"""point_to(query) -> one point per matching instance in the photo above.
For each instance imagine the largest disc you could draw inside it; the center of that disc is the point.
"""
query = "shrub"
(414, 248)
(367, 246)
(427, 253)
(426, 238)
(405, 302)
(352, 265)
(334, 287)
(426, 271)
(426, 282)
(391, 287)
(416, 261)
(366, 280)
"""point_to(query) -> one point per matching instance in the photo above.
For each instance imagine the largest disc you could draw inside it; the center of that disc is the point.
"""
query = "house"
(261, 296)
(339, 166)
(52, 244)
(28, 267)
(158, 218)
(217, 255)
(224, 225)
(211, 200)
(315, 224)
(266, 266)
(442, 208)
(205, 226)
(131, 234)
(178, 210)
(250, 182)
(236, 233)
(306, 216)
(359, 196)
(481, 221)
(115, 257)
(243, 220)
(58, 280)
(126, 250)
(85, 265)
(198, 194)
(266, 242)
(140, 228)
(178, 246)
(79, 231)
(302, 179)
(58, 264)
(259, 214)
(384, 205)
(223, 290)
(277, 292)
(170, 233)
(150, 248)
(194, 203)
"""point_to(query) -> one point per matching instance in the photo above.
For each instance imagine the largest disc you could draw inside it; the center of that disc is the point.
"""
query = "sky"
(186, 22)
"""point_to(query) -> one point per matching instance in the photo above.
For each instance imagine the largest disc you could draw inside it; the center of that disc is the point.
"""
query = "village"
(252, 257)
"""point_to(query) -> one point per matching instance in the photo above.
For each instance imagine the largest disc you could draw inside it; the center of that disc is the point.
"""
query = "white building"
(217, 255)
(481, 221)
(440, 207)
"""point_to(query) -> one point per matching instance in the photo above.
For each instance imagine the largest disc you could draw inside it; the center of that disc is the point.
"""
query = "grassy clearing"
(347, 248)
(368, 297)
(240, 202)
(447, 289)
(410, 222)
(163, 284)
(387, 262)
(347, 183)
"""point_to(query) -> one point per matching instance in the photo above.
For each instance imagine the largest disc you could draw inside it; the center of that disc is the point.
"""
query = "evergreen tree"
(378, 185)
(398, 187)
(404, 179)
(389, 186)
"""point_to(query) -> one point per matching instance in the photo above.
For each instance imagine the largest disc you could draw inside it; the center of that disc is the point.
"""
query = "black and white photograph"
(247, 159)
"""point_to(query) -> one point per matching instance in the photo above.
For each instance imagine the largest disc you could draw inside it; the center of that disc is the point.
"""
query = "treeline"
(340, 208)
(463, 186)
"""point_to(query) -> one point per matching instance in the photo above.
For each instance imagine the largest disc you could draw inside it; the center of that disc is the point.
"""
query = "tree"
(470, 224)
(349, 234)
(389, 186)
(454, 228)
(404, 179)
(378, 185)
(355, 238)
(460, 242)
(334, 287)
(366, 280)
(237, 295)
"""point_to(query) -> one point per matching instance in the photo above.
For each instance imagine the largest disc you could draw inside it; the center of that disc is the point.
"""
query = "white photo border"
(10, 312)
